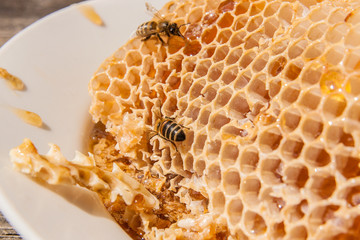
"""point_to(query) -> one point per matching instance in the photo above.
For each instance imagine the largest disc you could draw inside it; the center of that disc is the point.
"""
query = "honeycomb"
(269, 91)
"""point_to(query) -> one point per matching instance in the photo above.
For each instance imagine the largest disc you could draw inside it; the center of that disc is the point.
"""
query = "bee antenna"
(183, 24)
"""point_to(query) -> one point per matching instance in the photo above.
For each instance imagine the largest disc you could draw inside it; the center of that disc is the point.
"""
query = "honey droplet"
(193, 32)
(90, 13)
(14, 82)
(226, 6)
(331, 81)
(210, 18)
(29, 117)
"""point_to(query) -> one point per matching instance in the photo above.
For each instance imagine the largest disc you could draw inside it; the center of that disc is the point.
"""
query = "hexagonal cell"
(334, 105)
(234, 55)
(242, 80)
(237, 39)
(271, 9)
(253, 40)
(226, 6)
(254, 23)
(294, 213)
(338, 15)
(352, 85)
(229, 154)
(217, 120)
(117, 70)
(270, 26)
(260, 62)
(249, 160)
(271, 170)
(310, 99)
(314, 50)
(275, 87)
(224, 36)
(231, 181)
(133, 76)
(336, 32)
(242, 7)
(108, 103)
(250, 189)
(238, 106)
(189, 64)
(354, 114)
(208, 51)
(317, 31)
(133, 58)
(189, 162)
(294, 69)
(192, 48)
(335, 135)
(272, 204)
(210, 17)
(312, 73)
(300, 29)
(352, 60)
(186, 83)
(277, 231)
(297, 48)
(279, 46)
(234, 210)
(351, 194)
(290, 93)
(195, 15)
(213, 175)
(192, 111)
(312, 126)
(232, 131)
(296, 175)
(209, 93)
(202, 68)
(247, 59)
(292, 147)
(220, 53)
(277, 65)
(230, 74)
(323, 184)
(199, 143)
(199, 167)
(226, 20)
(319, 13)
(196, 88)
(316, 155)
(347, 165)
(213, 149)
(254, 223)
(215, 71)
(204, 116)
(352, 39)
(239, 22)
(100, 82)
(257, 87)
(289, 119)
(218, 202)
(321, 214)
(269, 139)
(120, 88)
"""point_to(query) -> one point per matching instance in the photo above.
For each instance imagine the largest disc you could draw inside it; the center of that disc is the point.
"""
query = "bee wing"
(153, 11)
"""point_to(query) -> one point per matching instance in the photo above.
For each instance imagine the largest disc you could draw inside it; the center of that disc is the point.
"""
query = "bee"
(169, 130)
(151, 28)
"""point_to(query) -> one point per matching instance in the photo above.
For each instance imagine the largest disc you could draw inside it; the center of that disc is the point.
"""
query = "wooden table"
(15, 15)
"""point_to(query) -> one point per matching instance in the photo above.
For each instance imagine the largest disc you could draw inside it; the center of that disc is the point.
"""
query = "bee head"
(174, 30)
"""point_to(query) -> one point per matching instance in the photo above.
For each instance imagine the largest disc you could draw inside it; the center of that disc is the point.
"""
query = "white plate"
(56, 58)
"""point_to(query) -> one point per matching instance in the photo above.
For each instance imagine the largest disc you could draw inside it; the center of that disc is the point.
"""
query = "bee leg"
(146, 38)
(162, 41)
(152, 131)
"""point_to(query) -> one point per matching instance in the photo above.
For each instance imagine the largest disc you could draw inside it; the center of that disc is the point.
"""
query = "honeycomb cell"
(260, 62)
(293, 70)
(229, 154)
(300, 28)
(250, 189)
(292, 147)
(286, 14)
(317, 156)
(242, 80)
(274, 205)
(297, 48)
(220, 53)
(238, 106)
(336, 32)
(310, 99)
(199, 143)
(322, 185)
(195, 15)
(249, 160)
(317, 31)
(199, 167)
(218, 120)
(213, 175)
(204, 116)
(334, 105)
(218, 202)
(257, 7)
(239, 23)
(257, 87)
(319, 13)
(347, 165)
(352, 60)
(275, 87)
(192, 48)
(233, 56)
(117, 70)
(336, 135)
(253, 40)
(296, 175)
(338, 15)
(290, 119)
(186, 84)
(353, 37)
(202, 68)
(196, 89)
(223, 97)
(231, 181)
(312, 74)
(213, 149)
(314, 50)
(247, 59)
(133, 58)
(100, 82)
(237, 39)
(271, 25)
(224, 36)
(242, 8)
(226, 20)
(351, 194)
(254, 223)
(269, 140)
(271, 170)
(215, 71)
(277, 231)
(289, 94)
(294, 213)
(226, 6)
(321, 214)
(277, 65)
(234, 210)
(120, 88)
(108, 103)
(230, 74)
(353, 85)
(254, 23)
(271, 9)
(312, 127)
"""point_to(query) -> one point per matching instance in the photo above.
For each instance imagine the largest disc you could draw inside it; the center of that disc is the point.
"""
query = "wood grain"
(15, 15)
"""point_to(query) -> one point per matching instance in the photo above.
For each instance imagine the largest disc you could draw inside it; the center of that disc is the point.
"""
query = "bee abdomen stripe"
(175, 132)
(172, 125)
